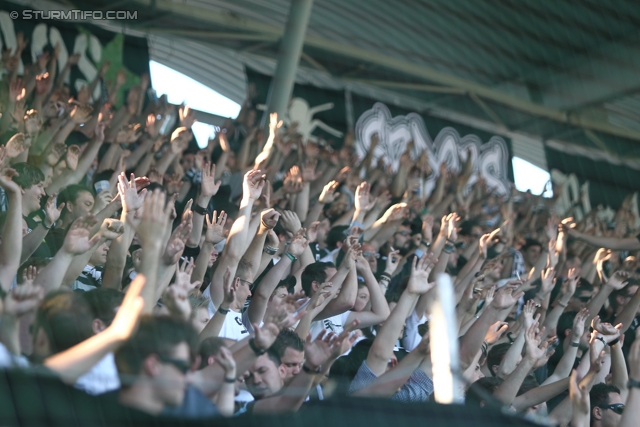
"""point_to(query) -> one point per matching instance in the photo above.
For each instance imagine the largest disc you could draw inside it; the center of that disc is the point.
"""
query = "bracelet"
(229, 380)
(256, 350)
(575, 344)
(291, 257)
(633, 384)
(45, 225)
(509, 337)
(199, 209)
(385, 277)
(602, 340)
(223, 311)
(449, 248)
(270, 250)
(561, 304)
(427, 244)
(310, 371)
(265, 225)
(614, 342)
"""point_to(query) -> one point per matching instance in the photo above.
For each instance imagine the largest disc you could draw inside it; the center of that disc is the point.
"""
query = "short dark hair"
(529, 242)
(156, 335)
(583, 286)
(482, 391)
(66, 319)
(209, 347)
(496, 354)
(315, 272)
(287, 339)
(70, 194)
(103, 303)
(28, 175)
(599, 394)
(274, 356)
(565, 322)
(336, 234)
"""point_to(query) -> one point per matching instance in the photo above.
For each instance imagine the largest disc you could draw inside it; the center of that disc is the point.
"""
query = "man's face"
(170, 380)
(578, 301)
(323, 229)
(265, 378)
(188, 161)
(278, 297)
(402, 238)
(370, 254)
(31, 197)
(609, 418)
(531, 254)
(82, 206)
(99, 257)
(292, 361)
(244, 291)
(200, 319)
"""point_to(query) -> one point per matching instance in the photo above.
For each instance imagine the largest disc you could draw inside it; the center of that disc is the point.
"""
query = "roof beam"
(216, 34)
(234, 21)
(408, 86)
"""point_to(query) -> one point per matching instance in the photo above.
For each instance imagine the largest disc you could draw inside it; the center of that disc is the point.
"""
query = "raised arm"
(12, 233)
(208, 188)
(238, 236)
(379, 307)
(632, 408)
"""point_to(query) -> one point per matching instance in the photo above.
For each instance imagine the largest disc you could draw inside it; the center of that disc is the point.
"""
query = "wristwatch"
(199, 209)
(575, 344)
(633, 384)
(310, 371)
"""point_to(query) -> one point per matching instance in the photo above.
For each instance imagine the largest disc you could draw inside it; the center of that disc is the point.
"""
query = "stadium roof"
(565, 71)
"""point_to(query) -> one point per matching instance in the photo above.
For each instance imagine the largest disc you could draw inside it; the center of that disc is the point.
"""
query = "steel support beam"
(237, 22)
(289, 57)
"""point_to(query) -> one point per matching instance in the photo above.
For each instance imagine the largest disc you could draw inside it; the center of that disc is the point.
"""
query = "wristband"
(310, 371)
(256, 350)
(270, 250)
(602, 340)
(223, 311)
(385, 277)
(449, 248)
(229, 380)
(633, 384)
(199, 209)
(44, 224)
(291, 257)
(561, 304)
(614, 342)
(575, 344)
(427, 244)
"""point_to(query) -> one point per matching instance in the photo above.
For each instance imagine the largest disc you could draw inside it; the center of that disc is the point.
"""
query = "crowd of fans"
(157, 278)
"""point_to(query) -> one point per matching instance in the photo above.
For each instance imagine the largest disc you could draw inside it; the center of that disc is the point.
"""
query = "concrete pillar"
(288, 57)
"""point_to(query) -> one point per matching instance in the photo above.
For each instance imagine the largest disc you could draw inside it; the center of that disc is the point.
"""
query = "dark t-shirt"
(43, 250)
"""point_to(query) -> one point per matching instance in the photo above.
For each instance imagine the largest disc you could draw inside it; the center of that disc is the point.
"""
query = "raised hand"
(293, 181)
(534, 350)
(183, 276)
(298, 243)
(209, 186)
(328, 194)
(180, 140)
(252, 184)
(618, 280)
(77, 240)
(396, 212)
(177, 243)
(24, 298)
(504, 297)
(318, 351)
(309, 173)
(128, 190)
(290, 221)
(215, 228)
(362, 201)
(176, 299)
(548, 280)
(324, 292)
(80, 113)
(155, 217)
(528, 311)
(226, 360)
(230, 288)
(72, 155)
(16, 145)
(269, 218)
(111, 229)
(6, 181)
(52, 213)
(495, 332)
(419, 279)
(579, 324)
(32, 122)
(187, 116)
(607, 330)
(128, 314)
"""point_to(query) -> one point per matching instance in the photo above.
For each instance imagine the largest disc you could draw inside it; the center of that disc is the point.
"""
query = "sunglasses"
(618, 408)
(251, 285)
(403, 233)
(370, 255)
(181, 365)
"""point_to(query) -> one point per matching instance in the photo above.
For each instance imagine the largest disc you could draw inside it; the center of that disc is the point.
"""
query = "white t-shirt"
(102, 378)
(233, 327)
(412, 337)
(333, 323)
